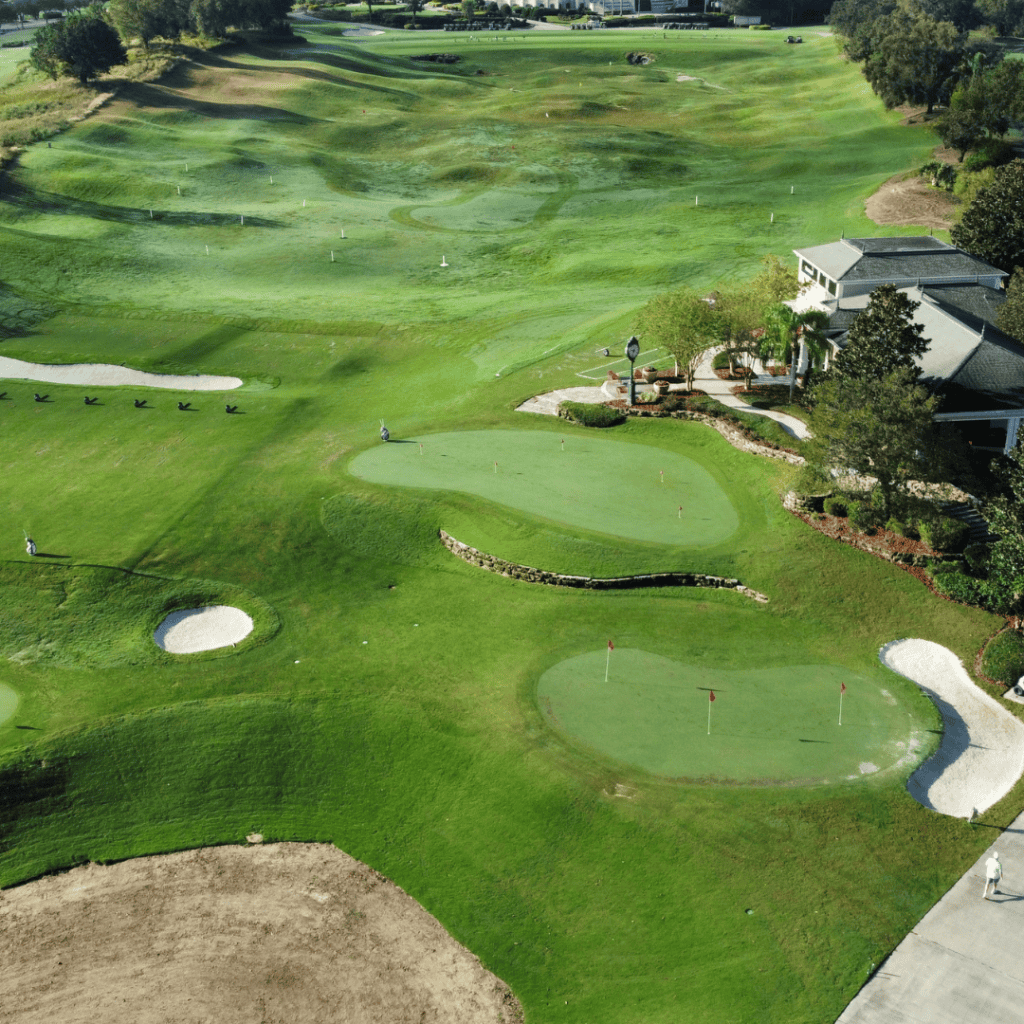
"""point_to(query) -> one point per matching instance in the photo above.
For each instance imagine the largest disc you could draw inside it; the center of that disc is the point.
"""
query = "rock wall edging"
(528, 574)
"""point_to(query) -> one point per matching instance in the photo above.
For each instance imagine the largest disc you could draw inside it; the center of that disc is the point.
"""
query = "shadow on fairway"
(46, 554)
(53, 202)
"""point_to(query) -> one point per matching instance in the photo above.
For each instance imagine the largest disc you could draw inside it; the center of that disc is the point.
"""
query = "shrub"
(994, 153)
(1003, 657)
(590, 415)
(959, 586)
(835, 506)
(976, 557)
(721, 361)
(897, 526)
(862, 516)
(944, 533)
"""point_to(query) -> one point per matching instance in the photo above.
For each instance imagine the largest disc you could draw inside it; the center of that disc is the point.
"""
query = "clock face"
(632, 349)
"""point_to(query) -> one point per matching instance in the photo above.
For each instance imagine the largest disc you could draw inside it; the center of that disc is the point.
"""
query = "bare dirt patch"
(233, 934)
(911, 200)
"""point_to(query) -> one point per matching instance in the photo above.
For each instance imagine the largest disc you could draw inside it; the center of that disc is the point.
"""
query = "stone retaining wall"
(553, 579)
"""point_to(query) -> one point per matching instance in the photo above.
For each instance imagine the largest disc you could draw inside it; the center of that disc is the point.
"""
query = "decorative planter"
(649, 374)
(661, 387)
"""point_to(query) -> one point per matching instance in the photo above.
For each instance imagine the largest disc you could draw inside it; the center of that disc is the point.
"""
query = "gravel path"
(106, 375)
(982, 750)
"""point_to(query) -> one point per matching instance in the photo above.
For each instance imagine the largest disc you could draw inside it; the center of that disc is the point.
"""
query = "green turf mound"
(611, 487)
(8, 703)
(92, 616)
(776, 725)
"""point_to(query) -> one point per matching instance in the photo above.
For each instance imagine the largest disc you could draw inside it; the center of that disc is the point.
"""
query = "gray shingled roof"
(969, 362)
(973, 303)
(894, 259)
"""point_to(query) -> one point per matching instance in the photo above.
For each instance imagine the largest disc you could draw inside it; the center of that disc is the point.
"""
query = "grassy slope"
(422, 751)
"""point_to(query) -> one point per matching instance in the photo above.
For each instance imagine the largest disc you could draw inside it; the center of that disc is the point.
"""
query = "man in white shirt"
(993, 872)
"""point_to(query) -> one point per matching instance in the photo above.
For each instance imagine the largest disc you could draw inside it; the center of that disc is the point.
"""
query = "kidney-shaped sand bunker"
(192, 630)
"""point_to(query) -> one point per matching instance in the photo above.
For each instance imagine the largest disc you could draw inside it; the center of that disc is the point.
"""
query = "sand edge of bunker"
(107, 375)
(209, 628)
(981, 756)
(287, 912)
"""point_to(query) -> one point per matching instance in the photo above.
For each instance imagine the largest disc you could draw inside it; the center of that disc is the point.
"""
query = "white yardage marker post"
(332, 255)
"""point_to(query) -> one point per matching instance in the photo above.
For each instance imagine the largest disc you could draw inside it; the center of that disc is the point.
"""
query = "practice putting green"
(767, 725)
(591, 483)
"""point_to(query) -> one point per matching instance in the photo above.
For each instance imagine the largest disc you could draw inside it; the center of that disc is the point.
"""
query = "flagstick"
(840, 707)
(709, 718)
(607, 664)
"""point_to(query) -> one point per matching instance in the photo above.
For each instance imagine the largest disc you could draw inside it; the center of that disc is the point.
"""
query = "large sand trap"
(202, 629)
(982, 750)
(106, 375)
(235, 934)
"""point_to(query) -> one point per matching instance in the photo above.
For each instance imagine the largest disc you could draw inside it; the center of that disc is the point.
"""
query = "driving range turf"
(391, 706)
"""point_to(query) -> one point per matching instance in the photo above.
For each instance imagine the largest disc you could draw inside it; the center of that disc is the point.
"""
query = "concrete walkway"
(963, 963)
(706, 380)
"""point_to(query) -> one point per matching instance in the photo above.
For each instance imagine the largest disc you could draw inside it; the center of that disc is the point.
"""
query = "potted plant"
(649, 374)
(661, 387)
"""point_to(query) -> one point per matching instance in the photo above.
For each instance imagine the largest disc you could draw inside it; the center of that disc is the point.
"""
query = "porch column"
(1012, 427)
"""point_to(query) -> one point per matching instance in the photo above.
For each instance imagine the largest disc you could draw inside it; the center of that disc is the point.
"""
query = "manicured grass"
(767, 724)
(392, 708)
(631, 491)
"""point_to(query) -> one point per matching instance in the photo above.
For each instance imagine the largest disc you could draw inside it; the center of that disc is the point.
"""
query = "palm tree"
(790, 335)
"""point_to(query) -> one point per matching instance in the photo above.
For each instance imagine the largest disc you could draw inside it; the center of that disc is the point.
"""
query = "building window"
(831, 287)
(810, 271)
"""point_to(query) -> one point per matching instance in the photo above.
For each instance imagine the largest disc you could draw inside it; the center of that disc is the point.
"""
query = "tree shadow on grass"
(15, 194)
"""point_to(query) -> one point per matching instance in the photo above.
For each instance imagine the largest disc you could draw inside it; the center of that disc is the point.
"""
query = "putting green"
(8, 703)
(592, 483)
(767, 725)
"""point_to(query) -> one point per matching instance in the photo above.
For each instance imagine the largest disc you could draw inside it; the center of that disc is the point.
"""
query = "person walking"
(993, 872)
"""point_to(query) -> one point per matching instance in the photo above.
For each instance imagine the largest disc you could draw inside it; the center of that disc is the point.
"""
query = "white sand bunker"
(982, 750)
(202, 629)
(106, 375)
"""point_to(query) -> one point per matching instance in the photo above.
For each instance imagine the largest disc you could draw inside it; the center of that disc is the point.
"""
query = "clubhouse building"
(976, 369)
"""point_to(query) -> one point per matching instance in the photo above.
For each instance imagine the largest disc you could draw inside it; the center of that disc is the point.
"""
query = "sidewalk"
(706, 380)
(963, 963)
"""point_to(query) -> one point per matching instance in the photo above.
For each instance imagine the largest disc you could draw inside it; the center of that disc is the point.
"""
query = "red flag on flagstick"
(711, 695)
(611, 646)
(842, 687)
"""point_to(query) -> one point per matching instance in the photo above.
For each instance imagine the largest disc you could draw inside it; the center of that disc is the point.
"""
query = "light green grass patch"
(767, 725)
(635, 491)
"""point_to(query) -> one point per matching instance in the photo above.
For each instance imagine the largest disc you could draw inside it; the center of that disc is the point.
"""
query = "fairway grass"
(632, 491)
(766, 725)
(387, 700)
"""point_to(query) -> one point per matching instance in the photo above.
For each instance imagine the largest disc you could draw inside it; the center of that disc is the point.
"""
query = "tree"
(992, 226)
(1011, 313)
(915, 60)
(146, 19)
(1005, 515)
(685, 324)
(82, 46)
(214, 17)
(857, 21)
(776, 282)
(1005, 16)
(875, 427)
(960, 129)
(882, 339)
(790, 335)
(739, 313)
(468, 9)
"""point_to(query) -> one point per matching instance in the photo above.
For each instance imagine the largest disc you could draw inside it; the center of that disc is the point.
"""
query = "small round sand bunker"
(202, 629)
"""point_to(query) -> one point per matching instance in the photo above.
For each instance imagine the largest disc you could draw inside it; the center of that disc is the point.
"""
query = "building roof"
(895, 259)
(969, 362)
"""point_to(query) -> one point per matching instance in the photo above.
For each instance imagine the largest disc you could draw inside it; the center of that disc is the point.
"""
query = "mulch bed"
(881, 543)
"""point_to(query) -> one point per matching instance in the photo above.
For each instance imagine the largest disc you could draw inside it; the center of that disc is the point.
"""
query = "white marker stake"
(241, 219)
(332, 255)
(443, 262)
(842, 690)
(696, 200)
(791, 189)
(661, 473)
(342, 232)
(303, 203)
(186, 168)
(179, 190)
(495, 467)
(680, 511)
(421, 448)
(773, 219)
(271, 179)
(207, 250)
(150, 214)
(563, 444)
